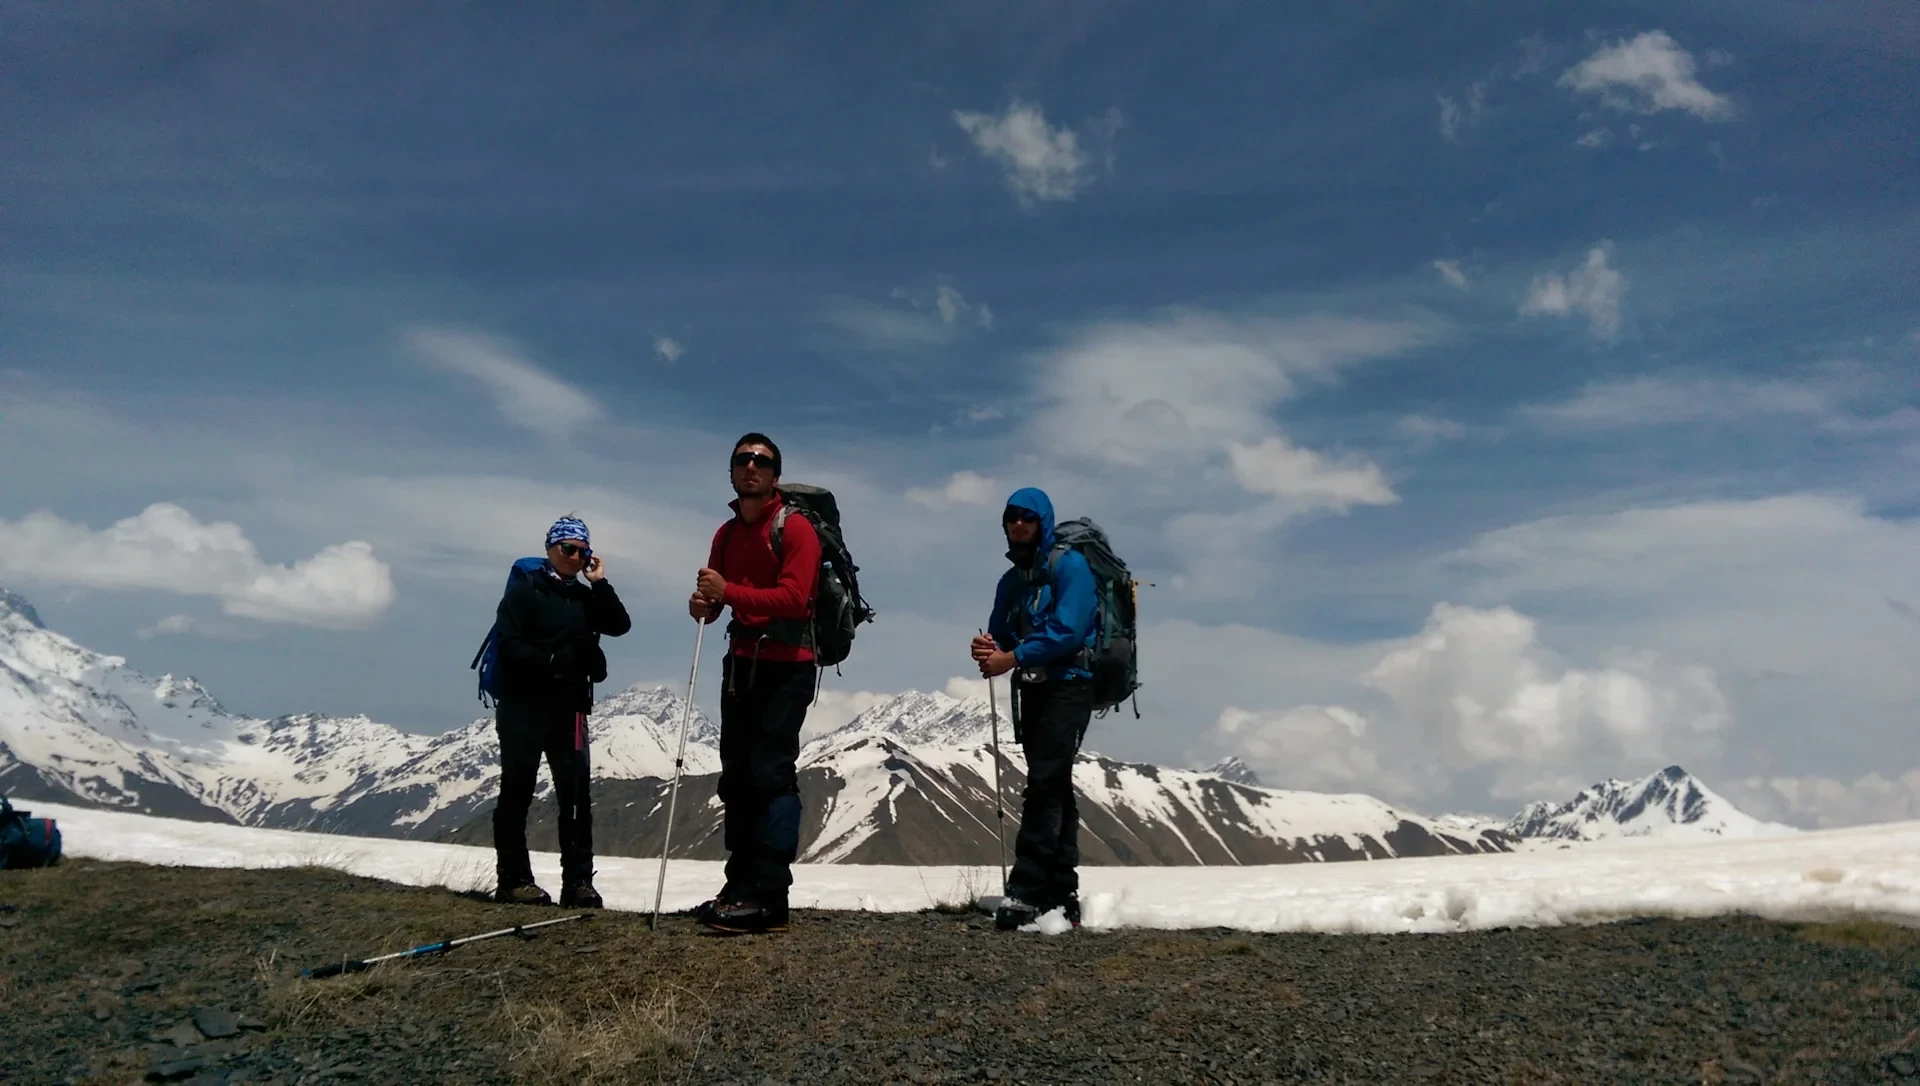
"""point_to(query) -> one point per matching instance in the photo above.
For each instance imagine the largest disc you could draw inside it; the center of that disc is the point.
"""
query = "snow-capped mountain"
(1667, 804)
(78, 726)
(910, 781)
(1235, 770)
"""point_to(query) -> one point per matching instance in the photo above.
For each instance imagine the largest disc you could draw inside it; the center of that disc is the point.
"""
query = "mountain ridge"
(907, 781)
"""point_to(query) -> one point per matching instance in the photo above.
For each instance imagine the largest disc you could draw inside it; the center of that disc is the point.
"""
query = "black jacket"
(549, 632)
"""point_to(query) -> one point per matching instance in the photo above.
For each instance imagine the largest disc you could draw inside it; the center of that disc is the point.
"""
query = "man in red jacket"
(764, 564)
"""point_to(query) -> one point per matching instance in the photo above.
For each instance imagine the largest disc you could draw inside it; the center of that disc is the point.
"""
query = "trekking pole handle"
(334, 970)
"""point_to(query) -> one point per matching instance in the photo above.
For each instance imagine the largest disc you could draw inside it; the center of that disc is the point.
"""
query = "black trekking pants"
(528, 730)
(1052, 721)
(763, 704)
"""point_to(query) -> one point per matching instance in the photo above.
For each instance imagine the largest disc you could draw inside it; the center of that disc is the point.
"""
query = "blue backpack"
(27, 842)
(487, 660)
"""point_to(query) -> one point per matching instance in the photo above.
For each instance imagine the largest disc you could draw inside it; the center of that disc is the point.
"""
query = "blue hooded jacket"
(1060, 616)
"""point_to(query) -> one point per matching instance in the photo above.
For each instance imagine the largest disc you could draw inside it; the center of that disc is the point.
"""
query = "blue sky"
(1498, 400)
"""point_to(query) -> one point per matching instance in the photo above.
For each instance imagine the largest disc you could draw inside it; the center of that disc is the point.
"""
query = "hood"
(1035, 500)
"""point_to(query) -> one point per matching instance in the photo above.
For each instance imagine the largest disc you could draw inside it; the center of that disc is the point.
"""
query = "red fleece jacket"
(761, 587)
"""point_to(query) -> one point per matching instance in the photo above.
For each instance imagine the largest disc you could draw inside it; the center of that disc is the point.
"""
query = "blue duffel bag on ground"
(25, 841)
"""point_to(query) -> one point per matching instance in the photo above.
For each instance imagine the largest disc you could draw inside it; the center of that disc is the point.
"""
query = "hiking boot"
(580, 895)
(747, 917)
(1014, 913)
(525, 893)
(704, 911)
(1072, 911)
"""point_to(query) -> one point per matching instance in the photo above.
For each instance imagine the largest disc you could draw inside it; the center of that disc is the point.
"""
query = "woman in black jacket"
(549, 643)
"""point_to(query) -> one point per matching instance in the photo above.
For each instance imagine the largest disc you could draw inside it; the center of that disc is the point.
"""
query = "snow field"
(1863, 871)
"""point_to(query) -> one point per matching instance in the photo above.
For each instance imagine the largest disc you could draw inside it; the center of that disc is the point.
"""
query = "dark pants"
(1053, 719)
(762, 706)
(528, 730)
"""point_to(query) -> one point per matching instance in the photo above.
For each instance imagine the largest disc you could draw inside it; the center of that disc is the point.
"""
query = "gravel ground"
(118, 973)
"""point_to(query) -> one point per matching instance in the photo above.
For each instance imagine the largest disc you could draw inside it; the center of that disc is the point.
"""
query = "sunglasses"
(758, 460)
(1020, 516)
(571, 549)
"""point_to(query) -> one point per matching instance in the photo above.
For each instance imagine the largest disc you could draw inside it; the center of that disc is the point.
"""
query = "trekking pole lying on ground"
(337, 968)
(673, 791)
(999, 803)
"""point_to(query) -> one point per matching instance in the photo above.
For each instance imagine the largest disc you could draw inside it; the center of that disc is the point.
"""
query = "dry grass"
(472, 877)
(345, 999)
(963, 897)
(616, 1039)
(1863, 935)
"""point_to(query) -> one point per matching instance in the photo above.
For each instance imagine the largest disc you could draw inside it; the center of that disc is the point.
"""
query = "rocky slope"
(110, 965)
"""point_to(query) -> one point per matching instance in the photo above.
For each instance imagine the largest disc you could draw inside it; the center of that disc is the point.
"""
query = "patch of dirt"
(112, 972)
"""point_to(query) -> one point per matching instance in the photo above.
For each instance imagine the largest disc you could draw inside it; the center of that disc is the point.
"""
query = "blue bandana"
(568, 529)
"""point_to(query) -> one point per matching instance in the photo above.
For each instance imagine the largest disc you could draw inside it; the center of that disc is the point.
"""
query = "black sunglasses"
(571, 549)
(758, 460)
(1021, 516)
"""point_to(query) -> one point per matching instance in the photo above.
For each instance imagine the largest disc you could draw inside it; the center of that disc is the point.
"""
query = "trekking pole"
(673, 792)
(337, 968)
(999, 805)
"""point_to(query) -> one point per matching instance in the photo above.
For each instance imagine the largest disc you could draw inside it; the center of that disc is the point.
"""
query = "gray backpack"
(1114, 658)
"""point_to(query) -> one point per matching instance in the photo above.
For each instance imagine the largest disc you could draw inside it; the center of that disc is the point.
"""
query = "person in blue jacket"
(1042, 628)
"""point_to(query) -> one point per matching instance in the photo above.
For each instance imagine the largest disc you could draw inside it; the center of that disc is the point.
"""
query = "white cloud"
(1598, 138)
(952, 307)
(1449, 119)
(180, 625)
(668, 349)
(1278, 467)
(1533, 56)
(1593, 290)
(1323, 747)
(836, 708)
(1825, 803)
(1476, 690)
(1454, 119)
(1427, 428)
(1663, 400)
(928, 319)
(166, 549)
(1450, 271)
(527, 395)
(1169, 428)
(1041, 162)
(975, 688)
(1786, 598)
(888, 328)
(1167, 393)
(472, 527)
(962, 488)
(172, 624)
(1646, 74)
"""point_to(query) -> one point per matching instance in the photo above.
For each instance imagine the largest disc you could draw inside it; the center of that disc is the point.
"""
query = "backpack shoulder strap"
(779, 527)
(1054, 557)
